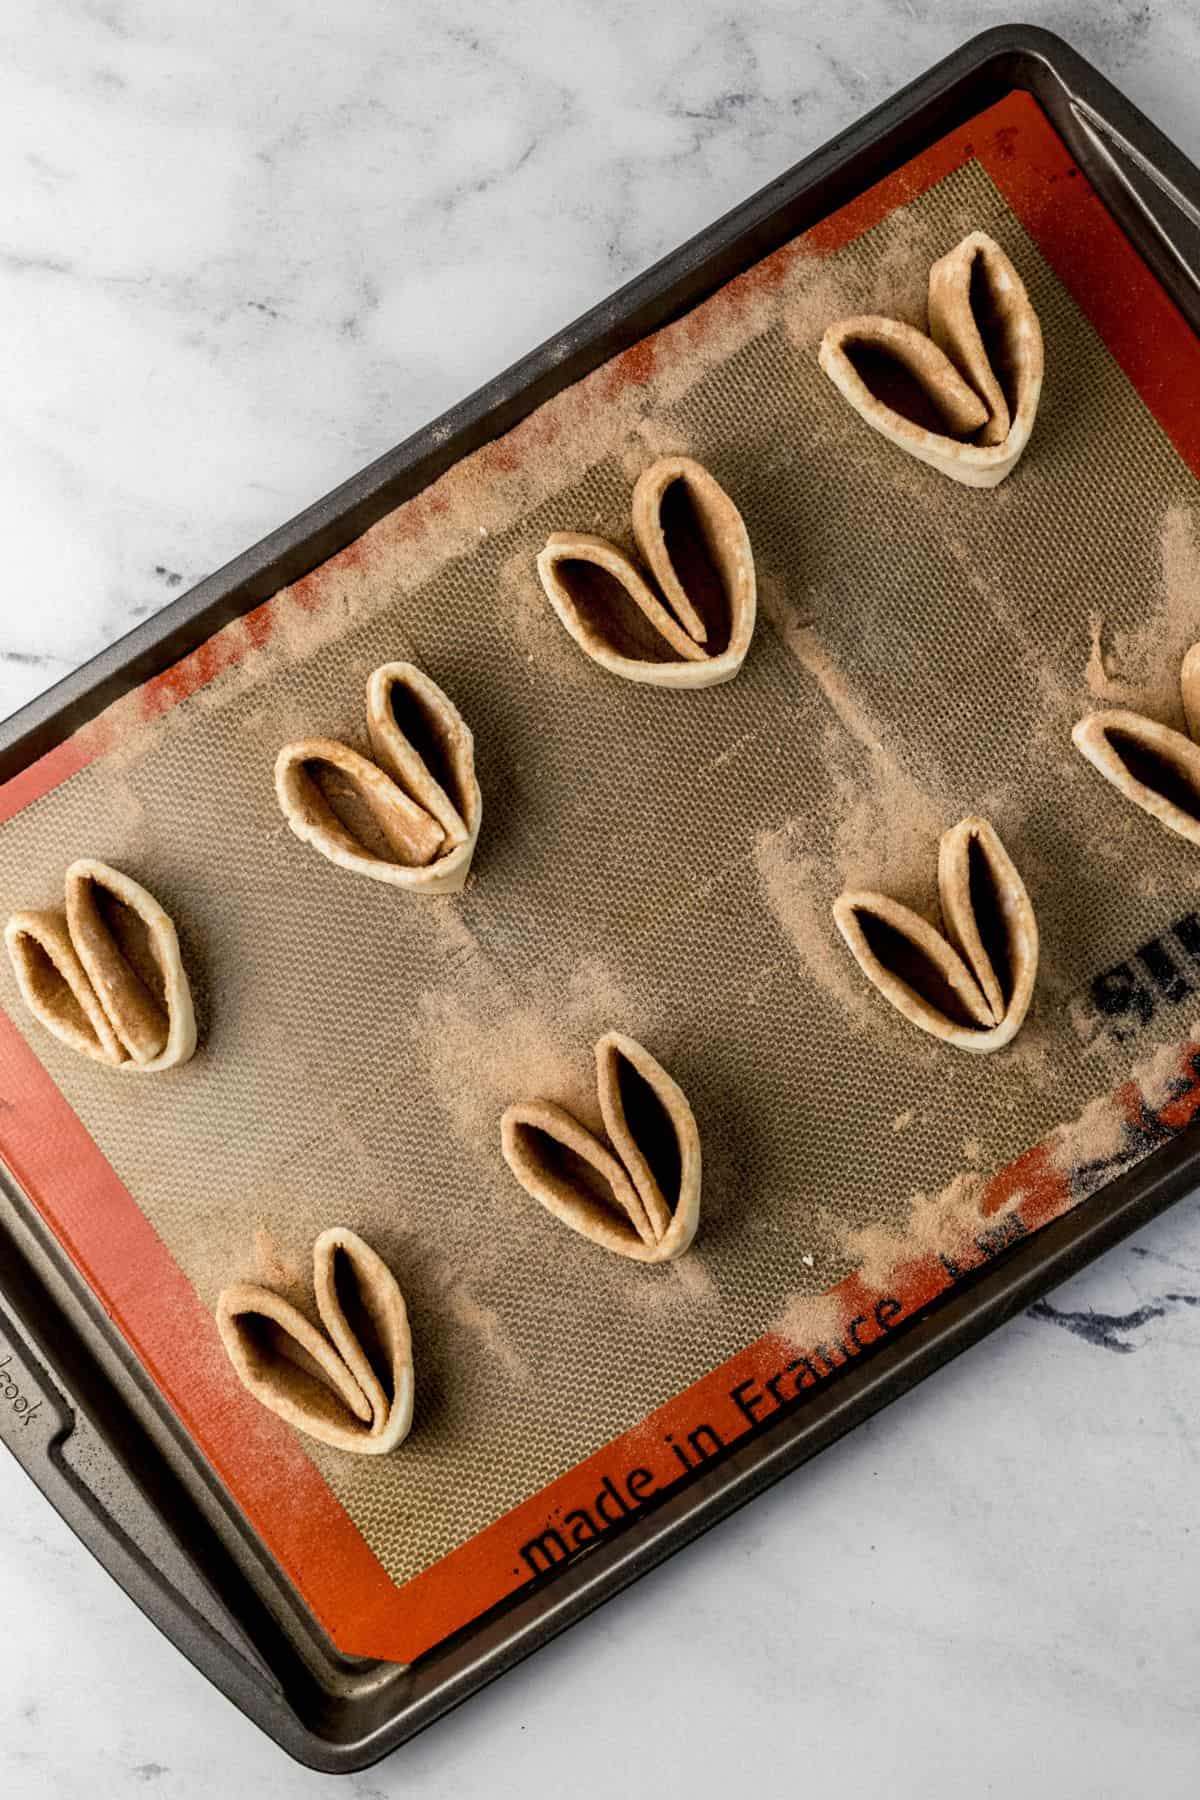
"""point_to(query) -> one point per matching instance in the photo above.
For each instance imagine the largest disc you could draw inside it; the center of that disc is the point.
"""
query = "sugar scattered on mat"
(887, 837)
(1140, 667)
(807, 1320)
(940, 1222)
(1097, 1134)
(487, 1045)
(799, 892)
(1102, 684)
(651, 439)
(901, 249)
(947, 1221)
(527, 619)
(273, 1267)
(805, 645)
(682, 1291)
(1159, 1073)
(486, 1325)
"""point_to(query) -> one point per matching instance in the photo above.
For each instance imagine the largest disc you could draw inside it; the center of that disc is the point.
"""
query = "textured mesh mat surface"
(659, 862)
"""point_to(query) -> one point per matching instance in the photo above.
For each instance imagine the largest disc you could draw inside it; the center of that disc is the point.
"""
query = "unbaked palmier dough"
(638, 1195)
(688, 623)
(350, 1385)
(106, 975)
(970, 986)
(964, 398)
(409, 818)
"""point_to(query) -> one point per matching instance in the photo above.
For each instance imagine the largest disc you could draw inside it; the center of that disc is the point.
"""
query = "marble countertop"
(244, 249)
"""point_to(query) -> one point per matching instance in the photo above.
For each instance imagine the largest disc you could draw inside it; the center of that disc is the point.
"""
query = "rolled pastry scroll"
(972, 986)
(350, 1385)
(690, 623)
(641, 1196)
(964, 398)
(106, 976)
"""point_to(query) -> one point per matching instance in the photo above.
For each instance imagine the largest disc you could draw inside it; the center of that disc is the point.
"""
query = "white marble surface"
(244, 247)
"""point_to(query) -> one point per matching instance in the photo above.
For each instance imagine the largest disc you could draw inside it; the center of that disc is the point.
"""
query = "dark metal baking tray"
(97, 1436)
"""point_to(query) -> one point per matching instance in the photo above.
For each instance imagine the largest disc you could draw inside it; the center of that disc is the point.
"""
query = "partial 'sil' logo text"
(1161, 974)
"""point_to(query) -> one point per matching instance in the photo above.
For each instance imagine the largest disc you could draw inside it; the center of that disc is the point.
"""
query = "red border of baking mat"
(147, 1295)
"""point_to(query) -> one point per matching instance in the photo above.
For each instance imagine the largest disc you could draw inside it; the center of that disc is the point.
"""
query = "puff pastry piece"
(351, 1385)
(410, 818)
(964, 398)
(1153, 765)
(641, 1197)
(106, 976)
(972, 986)
(690, 625)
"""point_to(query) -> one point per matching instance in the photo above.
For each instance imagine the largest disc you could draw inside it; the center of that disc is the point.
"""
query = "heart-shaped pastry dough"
(412, 816)
(641, 1198)
(352, 1388)
(971, 987)
(1153, 765)
(963, 399)
(695, 628)
(106, 977)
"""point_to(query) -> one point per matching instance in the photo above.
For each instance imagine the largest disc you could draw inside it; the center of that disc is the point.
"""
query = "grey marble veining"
(245, 248)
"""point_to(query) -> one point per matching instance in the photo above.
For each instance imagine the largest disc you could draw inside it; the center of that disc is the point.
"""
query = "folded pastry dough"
(971, 987)
(1153, 765)
(411, 817)
(106, 977)
(693, 628)
(639, 1198)
(350, 1385)
(964, 398)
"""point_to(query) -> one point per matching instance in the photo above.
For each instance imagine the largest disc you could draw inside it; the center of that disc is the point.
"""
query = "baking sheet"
(661, 862)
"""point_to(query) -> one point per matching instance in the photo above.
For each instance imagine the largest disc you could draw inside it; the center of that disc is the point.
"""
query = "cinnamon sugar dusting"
(1098, 1133)
(486, 1325)
(888, 824)
(651, 439)
(1139, 668)
(273, 1267)
(799, 892)
(1159, 1074)
(809, 1319)
(802, 640)
(941, 1223)
(902, 247)
(486, 1046)
(526, 617)
(1102, 683)
(887, 837)
(947, 1222)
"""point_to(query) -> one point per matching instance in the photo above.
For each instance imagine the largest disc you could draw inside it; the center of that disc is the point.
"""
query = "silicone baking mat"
(659, 862)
